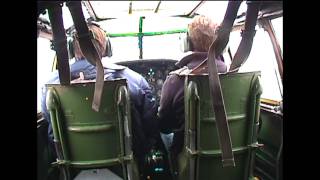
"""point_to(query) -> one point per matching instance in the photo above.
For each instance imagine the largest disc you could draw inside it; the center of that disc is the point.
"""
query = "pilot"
(201, 32)
(143, 108)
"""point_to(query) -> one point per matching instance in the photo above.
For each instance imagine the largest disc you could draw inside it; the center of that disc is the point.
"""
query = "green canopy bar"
(132, 34)
(140, 36)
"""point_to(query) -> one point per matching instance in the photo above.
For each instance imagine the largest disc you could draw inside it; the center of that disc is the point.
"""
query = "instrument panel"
(155, 71)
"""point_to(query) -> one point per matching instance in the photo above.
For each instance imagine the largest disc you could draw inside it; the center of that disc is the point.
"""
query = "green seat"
(201, 156)
(88, 139)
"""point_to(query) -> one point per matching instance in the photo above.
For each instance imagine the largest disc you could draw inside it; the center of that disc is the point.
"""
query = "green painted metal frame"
(122, 104)
(140, 37)
(141, 34)
(193, 151)
(133, 34)
(193, 138)
(269, 157)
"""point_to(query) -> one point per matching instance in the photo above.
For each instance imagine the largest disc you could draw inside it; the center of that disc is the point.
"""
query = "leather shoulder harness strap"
(59, 41)
(215, 50)
(88, 49)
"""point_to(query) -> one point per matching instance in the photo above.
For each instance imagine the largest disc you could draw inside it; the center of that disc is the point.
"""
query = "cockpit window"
(125, 44)
(67, 18)
(116, 9)
(262, 58)
(217, 9)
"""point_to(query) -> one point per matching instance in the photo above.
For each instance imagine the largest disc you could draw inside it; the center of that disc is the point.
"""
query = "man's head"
(202, 31)
(99, 40)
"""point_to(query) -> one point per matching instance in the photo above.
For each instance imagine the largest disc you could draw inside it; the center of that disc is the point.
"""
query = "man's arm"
(149, 109)
(166, 109)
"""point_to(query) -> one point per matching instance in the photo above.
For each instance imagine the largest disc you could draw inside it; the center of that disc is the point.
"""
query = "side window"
(45, 56)
(262, 58)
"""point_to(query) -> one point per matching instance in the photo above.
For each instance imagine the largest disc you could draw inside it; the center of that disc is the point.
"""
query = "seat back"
(86, 138)
(201, 157)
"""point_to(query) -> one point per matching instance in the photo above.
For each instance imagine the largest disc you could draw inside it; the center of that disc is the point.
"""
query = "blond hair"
(99, 40)
(202, 32)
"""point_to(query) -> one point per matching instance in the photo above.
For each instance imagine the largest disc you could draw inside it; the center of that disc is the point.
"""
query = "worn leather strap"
(247, 34)
(88, 48)
(215, 50)
(226, 26)
(59, 41)
(219, 110)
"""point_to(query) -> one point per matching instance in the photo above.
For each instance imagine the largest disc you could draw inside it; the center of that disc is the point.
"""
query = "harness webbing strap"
(59, 41)
(247, 34)
(219, 110)
(88, 49)
(226, 26)
(215, 50)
